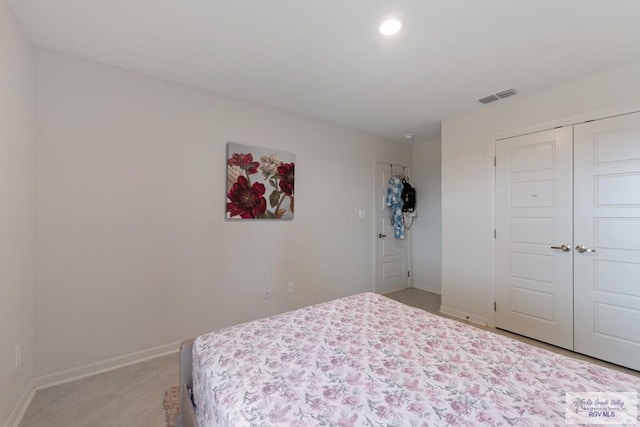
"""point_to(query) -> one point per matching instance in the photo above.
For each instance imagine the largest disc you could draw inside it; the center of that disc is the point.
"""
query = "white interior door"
(391, 254)
(534, 210)
(607, 226)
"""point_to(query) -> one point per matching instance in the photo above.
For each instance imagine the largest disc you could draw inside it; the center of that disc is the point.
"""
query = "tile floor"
(133, 395)
(125, 397)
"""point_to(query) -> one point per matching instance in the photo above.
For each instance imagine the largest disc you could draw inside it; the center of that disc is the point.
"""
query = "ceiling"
(325, 58)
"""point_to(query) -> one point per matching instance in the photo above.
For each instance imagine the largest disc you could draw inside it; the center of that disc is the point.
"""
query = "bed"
(366, 360)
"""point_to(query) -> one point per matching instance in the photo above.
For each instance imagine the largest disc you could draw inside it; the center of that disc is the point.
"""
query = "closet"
(567, 237)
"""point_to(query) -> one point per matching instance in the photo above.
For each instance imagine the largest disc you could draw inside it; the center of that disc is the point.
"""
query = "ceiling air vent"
(506, 93)
(488, 99)
(500, 95)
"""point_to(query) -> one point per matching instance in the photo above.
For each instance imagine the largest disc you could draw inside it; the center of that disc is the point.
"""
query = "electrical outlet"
(18, 354)
(266, 293)
(292, 287)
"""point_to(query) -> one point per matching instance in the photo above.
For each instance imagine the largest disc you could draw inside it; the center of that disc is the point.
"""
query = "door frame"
(491, 173)
(374, 217)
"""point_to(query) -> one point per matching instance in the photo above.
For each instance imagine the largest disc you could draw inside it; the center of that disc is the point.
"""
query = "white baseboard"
(73, 374)
(463, 316)
(21, 406)
(428, 288)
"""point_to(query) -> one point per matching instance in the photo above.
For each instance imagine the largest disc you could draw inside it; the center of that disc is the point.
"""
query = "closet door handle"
(564, 247)
(582, 249)
(380, 235)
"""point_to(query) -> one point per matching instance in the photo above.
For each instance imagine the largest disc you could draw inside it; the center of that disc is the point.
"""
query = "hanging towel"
(394, 201)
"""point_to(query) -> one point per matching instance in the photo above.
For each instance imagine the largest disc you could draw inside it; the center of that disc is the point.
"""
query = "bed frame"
(187, 415)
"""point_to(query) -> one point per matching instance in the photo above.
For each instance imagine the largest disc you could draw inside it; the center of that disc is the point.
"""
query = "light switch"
(362, 213)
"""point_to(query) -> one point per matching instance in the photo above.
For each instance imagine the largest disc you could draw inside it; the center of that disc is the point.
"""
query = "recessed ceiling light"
(408, 136)
(390, 27)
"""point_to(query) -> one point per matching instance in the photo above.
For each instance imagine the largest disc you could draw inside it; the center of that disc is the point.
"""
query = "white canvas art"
(260, 183)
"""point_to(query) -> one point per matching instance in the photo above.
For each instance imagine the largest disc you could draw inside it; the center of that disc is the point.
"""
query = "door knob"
(564, 247)
(582, 249)
(380, 235)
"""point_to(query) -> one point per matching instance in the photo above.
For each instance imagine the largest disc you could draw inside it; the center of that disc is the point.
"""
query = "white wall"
(133, 251)
(426, 231)
(16, 211)
(467, 176)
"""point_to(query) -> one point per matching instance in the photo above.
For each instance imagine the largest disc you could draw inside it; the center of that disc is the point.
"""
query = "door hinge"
(494, 233)
(495, 306)
(408, 273)
(494, 161)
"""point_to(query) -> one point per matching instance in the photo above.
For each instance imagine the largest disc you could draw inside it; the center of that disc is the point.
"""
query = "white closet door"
(607, 226)
(534, 211)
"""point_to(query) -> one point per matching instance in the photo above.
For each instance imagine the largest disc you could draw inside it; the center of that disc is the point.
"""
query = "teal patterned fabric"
(394, 200)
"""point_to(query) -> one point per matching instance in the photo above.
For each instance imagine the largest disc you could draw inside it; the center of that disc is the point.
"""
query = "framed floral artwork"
(260, 183)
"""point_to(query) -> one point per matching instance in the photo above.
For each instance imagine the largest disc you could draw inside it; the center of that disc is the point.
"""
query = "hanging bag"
(408, 198)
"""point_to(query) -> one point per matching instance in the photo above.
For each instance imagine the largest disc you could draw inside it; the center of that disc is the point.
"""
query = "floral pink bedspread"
(367, 360)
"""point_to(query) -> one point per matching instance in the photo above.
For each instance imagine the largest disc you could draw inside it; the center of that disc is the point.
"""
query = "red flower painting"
(286, 173)
(246, 201)
(244, 162)
(246, 188)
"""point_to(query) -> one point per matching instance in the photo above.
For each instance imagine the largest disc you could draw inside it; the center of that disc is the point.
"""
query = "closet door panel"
(607, 239)
(534, 209)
